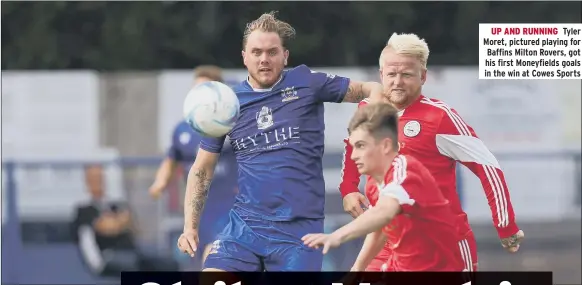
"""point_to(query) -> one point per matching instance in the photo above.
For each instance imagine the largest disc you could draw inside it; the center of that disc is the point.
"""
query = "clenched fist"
(511, 243)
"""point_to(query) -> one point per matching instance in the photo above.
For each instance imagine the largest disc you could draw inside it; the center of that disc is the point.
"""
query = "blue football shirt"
(185, 142)
(278, 142)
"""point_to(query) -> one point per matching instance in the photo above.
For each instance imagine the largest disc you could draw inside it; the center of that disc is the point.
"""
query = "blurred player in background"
(182, 153)
(438, 137)
(407, 206)
(279, 143)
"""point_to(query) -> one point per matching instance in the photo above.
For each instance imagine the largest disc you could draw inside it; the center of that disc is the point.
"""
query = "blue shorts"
(250, 243)
(210, 226)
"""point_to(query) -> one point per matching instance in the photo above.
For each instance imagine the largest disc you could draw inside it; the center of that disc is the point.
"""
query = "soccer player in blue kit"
(278, 142)
(182, 152)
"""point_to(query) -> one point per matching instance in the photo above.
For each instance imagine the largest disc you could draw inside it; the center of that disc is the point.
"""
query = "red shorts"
(379, 264)
(468, 248)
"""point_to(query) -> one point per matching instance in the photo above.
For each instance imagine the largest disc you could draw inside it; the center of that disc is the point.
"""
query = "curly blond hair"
(269, 23)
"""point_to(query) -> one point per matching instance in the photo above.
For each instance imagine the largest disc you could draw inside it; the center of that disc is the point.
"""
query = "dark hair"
(379, 119)
(211, 72)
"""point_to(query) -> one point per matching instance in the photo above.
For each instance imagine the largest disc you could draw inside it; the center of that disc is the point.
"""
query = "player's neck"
(387, 160)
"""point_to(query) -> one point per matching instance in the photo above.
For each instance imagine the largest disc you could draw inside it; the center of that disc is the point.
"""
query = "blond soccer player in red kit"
(408, 207)
(438, 137)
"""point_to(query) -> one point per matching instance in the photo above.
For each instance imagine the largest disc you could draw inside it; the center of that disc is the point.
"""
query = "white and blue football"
(211, 108)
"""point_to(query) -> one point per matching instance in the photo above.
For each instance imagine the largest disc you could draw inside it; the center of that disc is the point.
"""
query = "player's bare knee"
(206, 252)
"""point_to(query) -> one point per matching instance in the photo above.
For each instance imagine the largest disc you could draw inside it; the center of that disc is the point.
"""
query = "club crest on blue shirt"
(289, 94)
(184, 138)
(264, 118)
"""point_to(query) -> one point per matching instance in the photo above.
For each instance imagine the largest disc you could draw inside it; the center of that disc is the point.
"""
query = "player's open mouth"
(264, 70)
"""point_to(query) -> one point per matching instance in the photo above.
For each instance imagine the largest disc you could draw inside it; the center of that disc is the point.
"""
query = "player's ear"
(286, 55)
(244, 57)
(423, 76)
(387, 146)
(380, 74)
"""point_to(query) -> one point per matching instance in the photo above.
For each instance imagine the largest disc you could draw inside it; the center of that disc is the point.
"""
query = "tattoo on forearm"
(199, 193)
(355, 93)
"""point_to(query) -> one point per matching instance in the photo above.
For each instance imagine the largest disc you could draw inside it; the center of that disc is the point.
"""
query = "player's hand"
(511, 243)
(353, 203)
(156, 190)
(377, 94)
(321, 240)
(188, 242)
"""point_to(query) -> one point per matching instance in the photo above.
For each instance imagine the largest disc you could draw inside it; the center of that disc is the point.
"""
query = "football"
(211, 108)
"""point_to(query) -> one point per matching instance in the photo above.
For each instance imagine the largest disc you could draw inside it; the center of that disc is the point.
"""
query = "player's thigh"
(233, 250)
(206, 251)
(286, 249)
(468, 248)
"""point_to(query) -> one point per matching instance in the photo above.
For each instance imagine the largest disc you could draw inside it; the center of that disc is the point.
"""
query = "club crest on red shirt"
(411, 129)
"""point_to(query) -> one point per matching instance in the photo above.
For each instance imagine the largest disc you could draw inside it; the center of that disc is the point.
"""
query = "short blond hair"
(409, 45)
(269, 23)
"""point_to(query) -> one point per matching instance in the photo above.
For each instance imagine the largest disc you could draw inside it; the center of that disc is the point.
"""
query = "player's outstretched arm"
(358, 91)
(197, 186)
(373, 244)
(370, 221)
(457, 140)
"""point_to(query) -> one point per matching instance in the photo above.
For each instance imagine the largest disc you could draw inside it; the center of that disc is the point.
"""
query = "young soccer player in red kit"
(438, 137)
(407, 206)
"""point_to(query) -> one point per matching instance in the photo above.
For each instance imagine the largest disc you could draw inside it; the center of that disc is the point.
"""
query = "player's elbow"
(388, 207)
(167, 168)
(384, 213)
(168, 163)
(205, 163)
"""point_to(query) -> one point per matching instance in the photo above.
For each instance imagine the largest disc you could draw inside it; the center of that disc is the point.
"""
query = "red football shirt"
(435, 134)
(423, 237)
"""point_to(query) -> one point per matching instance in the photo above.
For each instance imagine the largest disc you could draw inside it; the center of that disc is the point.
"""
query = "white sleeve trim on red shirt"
(397, 192)
(394, 189)
(466, 149)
